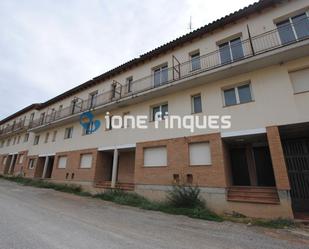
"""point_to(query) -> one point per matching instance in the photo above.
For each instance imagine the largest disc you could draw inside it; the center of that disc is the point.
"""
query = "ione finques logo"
(160, 120)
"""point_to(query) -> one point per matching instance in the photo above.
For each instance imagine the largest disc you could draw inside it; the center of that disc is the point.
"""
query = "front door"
(297, 160)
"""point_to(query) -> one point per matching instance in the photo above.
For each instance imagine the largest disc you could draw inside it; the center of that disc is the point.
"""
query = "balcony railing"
(21, 125)
(226, 55)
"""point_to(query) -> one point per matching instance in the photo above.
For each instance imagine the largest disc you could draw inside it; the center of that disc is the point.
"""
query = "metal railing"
(18, 126)
(247, 48)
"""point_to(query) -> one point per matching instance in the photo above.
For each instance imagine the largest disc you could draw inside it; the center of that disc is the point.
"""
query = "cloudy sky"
(50, 46)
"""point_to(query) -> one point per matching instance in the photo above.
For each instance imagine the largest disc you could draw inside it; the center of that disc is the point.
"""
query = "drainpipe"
(114, 172)
(250, 40)
(45, 167)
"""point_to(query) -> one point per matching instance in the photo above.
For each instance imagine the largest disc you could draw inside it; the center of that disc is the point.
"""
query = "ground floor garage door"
(297, 159)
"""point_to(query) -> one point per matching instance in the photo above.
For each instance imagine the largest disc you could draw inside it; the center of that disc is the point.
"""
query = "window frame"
(195, 55)
(67, 134)
(36, 140)
(32, 163)
(160, 107)
(193, 111)
(26, 137)
(290, 21)
(66, 161)
(199, 143)
(160, 68)
(236, 91)
(231, 56)
(92, 99)
(129, 81)
(154, 148)
(46, 137)
(80, 160)
(54, 135)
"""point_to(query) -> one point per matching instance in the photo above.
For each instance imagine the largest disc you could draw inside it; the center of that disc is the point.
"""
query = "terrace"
(275, 46)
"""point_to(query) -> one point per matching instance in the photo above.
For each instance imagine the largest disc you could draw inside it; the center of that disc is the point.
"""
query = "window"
(21, 158)
(155, 157)
(108, 125)
(31, 117)
(92, 99)
(73, 105)
(89, 128)
(68, 133)
(126, 121)
(18, 139)
(8, 142)
(46, 137)
(231, 51)
(237, 95)
(26, 137)
(293, 28)
(196, 103)
(42, 117)
(59, 110)
(199, 153)
(114, 90)
(2, 144)
(32, 163)
(36, 140)
(85, 161)
(54, 136)
(129, 81)
(159, 112)
(62, 162)
(14, 141)
(300, 80)
(160, 75)
(195, 61)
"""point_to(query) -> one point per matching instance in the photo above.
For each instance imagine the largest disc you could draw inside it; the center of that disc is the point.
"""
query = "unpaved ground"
(32, 218)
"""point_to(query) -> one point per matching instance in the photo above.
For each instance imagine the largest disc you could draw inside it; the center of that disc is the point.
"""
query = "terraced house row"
(252, 64)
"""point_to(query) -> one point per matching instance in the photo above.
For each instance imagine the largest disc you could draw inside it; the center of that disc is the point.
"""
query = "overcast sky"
(50, 46)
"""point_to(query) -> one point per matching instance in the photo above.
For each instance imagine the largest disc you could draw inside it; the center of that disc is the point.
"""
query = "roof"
(233, 17)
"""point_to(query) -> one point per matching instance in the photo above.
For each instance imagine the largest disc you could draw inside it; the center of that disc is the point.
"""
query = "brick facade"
(73, 172)
(277, 157)
(213, 175)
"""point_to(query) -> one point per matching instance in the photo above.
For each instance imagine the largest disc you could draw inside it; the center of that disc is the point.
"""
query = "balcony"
(255, 52)
(13, 128)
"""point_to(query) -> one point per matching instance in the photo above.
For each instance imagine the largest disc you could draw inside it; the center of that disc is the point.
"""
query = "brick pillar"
(277, 157)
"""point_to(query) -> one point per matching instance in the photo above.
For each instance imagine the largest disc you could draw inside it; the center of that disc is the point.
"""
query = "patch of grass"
(123, 198)
(67, 188)
(274, 223)
(135, 200)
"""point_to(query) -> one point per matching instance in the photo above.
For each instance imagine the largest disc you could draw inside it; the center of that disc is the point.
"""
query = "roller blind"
(62, 162)
(86, 161)
(155, 157)
(300, 80)
(200, 153)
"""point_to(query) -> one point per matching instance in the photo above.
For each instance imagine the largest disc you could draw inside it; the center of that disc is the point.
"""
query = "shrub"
(182, 196)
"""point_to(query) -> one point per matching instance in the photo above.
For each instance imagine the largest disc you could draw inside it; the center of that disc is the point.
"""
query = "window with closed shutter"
(155, 157)
(200, 153)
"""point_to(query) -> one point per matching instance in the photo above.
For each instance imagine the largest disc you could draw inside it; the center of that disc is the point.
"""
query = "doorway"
(250, 161)
(50, 165)
(295, 144)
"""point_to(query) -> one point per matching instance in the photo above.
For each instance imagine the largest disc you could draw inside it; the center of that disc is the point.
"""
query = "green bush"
(182, 196)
